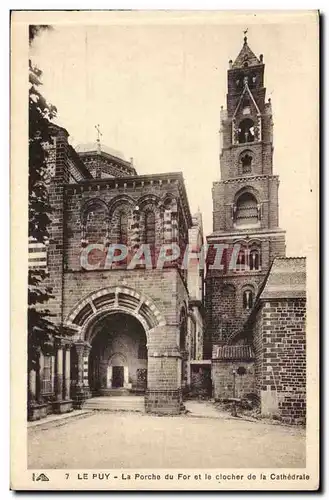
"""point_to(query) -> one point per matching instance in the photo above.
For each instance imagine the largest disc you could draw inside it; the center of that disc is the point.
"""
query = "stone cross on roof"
(99, 134)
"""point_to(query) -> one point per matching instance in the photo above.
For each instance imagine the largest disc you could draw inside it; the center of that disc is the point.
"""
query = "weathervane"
(245, 35)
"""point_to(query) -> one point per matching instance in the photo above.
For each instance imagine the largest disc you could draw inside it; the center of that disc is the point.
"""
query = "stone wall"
(224, 303)
(280, 349)
(223, 379)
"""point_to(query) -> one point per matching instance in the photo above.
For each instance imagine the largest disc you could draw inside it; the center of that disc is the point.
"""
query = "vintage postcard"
(164, 202)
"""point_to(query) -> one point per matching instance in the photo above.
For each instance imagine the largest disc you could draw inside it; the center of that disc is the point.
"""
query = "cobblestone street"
(108, 440)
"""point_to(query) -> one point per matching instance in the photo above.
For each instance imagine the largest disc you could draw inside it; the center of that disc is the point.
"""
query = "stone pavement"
(116, 403)
(58, 419)
(106, 440)
(204, 409)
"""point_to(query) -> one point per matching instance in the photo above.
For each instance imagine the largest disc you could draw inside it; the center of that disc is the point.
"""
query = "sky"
(155, 83)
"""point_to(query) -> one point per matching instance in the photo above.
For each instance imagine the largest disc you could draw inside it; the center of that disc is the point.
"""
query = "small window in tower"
(246, 132)
(246, 160)
(252, 81)
(246, 210)
(241, 259)
(239, 81)
(254, 260)
(247, 299)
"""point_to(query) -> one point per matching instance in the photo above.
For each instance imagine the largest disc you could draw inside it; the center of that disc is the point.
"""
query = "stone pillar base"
(87, 392)
(63, 406)
(164, 402)
(37, 411)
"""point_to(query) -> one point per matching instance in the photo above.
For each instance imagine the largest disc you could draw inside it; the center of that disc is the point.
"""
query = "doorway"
(117, 376)
(118, 354)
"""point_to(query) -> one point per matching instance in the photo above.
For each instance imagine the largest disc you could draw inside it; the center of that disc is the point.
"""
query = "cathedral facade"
(141, 318)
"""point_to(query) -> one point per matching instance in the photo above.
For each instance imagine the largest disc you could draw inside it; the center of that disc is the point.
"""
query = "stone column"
(67, 383)
(125, 376)
(163, 394)
(52, 373)
(167, 227)
(80, 347)
(109, 377)
(59, 370)
(86, 352)
(32, 385)
(135, 230)
(41, 372)
(174, 227)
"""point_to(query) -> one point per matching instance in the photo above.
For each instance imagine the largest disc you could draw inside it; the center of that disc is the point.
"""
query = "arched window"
(239, 81)
(150, 228)
(242, 259)
(94, 222)
(253, 80)
(246, 210)
(123, 228)
(246, 161)
(247, 299)
(246, 131)
(254, 260)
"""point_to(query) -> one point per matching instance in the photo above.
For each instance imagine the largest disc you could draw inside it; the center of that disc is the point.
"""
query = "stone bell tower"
(245, 200)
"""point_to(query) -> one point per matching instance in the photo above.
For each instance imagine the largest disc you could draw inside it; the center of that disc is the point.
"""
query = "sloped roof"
(230, 352)
(245, 54)
(286, 279)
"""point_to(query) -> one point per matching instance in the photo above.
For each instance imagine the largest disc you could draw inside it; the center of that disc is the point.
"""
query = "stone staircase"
(113, 392)
(115, 403)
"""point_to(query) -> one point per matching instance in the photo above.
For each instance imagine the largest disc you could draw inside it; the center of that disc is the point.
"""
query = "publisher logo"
(40, 477)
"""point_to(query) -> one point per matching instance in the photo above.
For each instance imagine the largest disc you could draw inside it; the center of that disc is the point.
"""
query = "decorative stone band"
(241, 180)
(165, 353)
(37, 254)
(232, 352)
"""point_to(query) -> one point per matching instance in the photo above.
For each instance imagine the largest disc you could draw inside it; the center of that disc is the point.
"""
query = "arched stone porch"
(163, 394)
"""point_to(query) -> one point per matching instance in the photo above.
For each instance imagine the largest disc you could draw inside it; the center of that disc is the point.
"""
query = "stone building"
(136, 312)
(246, 336)
(136, 327)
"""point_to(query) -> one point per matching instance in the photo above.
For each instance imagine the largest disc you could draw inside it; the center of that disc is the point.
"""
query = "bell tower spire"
(245, 200)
